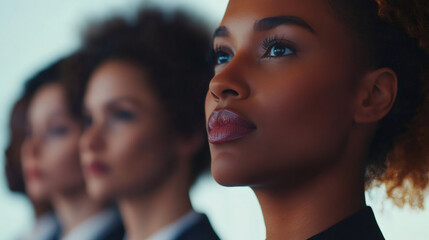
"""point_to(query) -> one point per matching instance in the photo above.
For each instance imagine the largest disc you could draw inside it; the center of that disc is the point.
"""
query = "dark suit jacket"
(202, 230)
(116, 231)
(360, 226)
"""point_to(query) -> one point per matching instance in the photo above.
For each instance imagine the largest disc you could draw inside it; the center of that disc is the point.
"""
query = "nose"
(92, 139)
(30, 149)
(231, 83)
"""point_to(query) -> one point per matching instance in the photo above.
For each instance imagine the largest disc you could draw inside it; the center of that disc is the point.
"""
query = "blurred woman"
(46, 226)
(50, 160)
(144, 140)
(312, 101)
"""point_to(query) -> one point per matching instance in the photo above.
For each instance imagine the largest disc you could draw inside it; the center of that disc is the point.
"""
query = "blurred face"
(127, 148)
(50, 151)
(280, 105)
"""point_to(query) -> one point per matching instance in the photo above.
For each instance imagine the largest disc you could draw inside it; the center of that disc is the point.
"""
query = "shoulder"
(202, 229)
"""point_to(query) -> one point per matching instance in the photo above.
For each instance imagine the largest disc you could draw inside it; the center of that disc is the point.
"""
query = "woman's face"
(280, 104)
(50, 150)
(127, 148)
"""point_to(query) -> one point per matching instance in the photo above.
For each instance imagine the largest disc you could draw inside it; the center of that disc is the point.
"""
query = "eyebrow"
(269, 23)
(57, 113)
(111, 105)
(221, 31)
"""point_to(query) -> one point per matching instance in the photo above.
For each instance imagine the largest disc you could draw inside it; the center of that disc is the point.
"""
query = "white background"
(35, 33)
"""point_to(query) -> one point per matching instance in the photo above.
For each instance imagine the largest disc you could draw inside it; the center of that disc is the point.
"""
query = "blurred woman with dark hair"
(50, 159)
(144, 139)
(46, 226)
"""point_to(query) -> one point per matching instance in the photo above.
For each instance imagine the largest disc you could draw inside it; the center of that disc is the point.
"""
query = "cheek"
(138, 158)
(210, 105)
(304, 113)
(62, 163)
(129, 149)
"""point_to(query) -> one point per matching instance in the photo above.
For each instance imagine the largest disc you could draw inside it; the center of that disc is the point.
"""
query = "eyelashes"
(123, 115)
(220, 54)
(278, 47)
(111, 119)
(273, 47)
(56, 131)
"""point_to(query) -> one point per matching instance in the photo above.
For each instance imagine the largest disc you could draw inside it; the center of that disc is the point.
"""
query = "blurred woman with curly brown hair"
(314, 101)
(144, 142)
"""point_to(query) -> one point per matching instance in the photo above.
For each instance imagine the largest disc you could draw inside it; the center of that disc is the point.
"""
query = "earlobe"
(376, 95)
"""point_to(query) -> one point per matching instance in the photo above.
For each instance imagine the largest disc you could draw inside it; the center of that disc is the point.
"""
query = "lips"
(33, 174)
(96, 168)
(225, 126)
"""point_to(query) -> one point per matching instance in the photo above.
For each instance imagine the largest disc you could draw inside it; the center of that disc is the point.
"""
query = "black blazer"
(202, 230)
(360, 226)
(116, 231)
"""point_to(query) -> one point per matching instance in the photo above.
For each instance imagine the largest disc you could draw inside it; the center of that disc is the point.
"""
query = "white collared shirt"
(44, 228)
(174, 229)
(93, 227)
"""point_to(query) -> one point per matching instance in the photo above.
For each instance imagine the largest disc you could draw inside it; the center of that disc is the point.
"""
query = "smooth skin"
(290, 67)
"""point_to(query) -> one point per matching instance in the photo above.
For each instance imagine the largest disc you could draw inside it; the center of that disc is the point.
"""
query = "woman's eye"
(278, 47)
(120, 117)
(57, 131)
(222, 57)
(123, 115)
(279, 50)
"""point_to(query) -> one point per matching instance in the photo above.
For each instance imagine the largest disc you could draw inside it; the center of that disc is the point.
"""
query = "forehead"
(307, 9)
(118, 79)
(47, 100)
(241, 15)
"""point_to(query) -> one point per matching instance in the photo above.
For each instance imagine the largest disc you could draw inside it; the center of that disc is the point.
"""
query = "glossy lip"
(225, 126)
(96, 168)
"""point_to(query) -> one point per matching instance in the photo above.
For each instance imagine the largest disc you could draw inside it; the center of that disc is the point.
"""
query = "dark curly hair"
(395, 34)
(173, 50)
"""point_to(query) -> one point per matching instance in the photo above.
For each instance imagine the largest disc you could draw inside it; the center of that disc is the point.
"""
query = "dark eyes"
(123, 115)
(273, 47)
(117, 116)
(56, 131)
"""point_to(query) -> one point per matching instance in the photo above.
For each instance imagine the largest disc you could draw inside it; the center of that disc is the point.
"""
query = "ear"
(376, 95)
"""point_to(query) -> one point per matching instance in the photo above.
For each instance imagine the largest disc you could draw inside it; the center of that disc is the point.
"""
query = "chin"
(98, 191)
(230, 175)
(37, 194)
(230, 168)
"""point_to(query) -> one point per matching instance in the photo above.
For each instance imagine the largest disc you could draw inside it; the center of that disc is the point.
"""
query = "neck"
(41, 208)
(304, 210)
(147, 214)
(74, 208)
